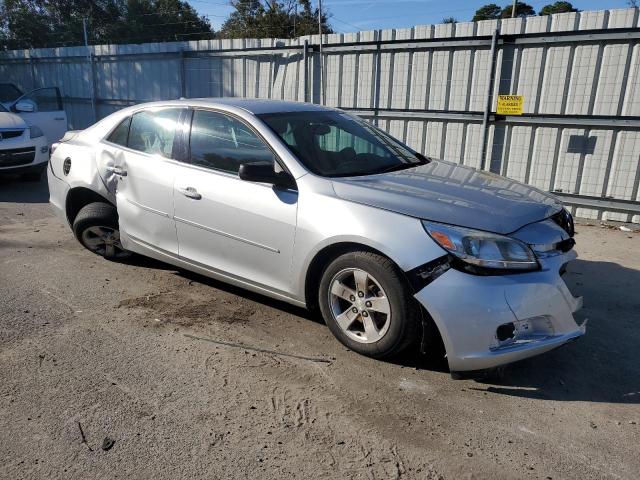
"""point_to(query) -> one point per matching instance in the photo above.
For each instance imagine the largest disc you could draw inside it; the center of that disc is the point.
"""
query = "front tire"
(367, 304)
(96, 228)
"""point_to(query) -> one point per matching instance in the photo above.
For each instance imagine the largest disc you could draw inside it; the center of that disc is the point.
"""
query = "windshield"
(335, 144)
(2, 109)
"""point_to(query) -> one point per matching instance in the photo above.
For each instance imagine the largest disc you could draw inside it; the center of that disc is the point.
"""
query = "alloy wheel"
(359, 305)
(104, 241)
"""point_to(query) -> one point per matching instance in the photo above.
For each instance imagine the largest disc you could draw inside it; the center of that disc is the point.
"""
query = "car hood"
(11, 120)
(449, 193)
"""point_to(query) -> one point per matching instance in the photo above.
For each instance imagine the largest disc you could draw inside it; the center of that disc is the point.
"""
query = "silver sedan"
(319, 208)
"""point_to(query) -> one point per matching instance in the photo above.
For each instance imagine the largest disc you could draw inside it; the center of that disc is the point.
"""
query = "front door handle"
(118, 171)
(190, 192)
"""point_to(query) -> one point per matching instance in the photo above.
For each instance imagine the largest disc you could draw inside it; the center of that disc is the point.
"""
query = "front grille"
(564, 219)
(17, 156)
(7, 134)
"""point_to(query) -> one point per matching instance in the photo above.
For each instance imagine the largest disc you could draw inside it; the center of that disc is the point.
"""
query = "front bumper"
(468, 310)
(22, 155)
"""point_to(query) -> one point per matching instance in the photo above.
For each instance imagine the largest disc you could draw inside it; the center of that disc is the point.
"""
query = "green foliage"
(558, 7)
(522, 10)
(449, 20)
(54, 23)
(273, 19)
(492, 11)
(488, 12)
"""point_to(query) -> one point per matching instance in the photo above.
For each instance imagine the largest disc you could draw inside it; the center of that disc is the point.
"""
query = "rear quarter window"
(120, 134)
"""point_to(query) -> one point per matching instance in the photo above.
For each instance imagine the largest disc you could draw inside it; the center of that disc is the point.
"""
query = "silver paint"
(265, 238)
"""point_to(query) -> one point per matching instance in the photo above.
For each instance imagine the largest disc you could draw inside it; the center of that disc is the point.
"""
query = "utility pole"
(513, 9)
(320, 50)
(295, 19)
(91, 72)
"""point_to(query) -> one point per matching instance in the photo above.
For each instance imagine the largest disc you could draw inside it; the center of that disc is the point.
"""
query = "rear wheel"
(367, 304)
(96, 227)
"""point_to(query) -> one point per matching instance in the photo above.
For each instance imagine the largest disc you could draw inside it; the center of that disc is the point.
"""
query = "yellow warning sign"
(510, 104)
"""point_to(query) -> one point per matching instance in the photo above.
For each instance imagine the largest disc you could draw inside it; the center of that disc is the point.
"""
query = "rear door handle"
(118, 171)
(190, 192)
(59, 119)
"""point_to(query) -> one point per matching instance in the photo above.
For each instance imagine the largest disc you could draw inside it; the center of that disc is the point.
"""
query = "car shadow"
(603, 365)
(147, 262)
(15, 189)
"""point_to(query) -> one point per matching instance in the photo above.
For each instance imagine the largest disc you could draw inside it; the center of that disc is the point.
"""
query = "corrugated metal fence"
(433, 86)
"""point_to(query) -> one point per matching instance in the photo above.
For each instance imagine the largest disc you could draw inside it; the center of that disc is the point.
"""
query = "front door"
(48, 112)
(145, 171)
(242, 229)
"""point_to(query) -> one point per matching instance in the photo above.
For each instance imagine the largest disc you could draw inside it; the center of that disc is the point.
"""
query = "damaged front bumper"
(487, 321)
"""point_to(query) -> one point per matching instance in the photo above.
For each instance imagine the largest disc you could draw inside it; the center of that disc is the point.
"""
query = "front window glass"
(8, 93)
(153, 131)
(44, 99)
(334, 144)
(2, 109)
(223, 143)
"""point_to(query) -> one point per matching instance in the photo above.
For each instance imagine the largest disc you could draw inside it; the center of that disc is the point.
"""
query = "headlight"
(482, 249)
(35, 132)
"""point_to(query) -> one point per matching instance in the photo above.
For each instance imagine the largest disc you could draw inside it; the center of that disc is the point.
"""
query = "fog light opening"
(506, 332)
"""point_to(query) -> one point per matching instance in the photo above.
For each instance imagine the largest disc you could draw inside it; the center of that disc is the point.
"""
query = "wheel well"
(79, 197)
(327, 254)
(321, 260)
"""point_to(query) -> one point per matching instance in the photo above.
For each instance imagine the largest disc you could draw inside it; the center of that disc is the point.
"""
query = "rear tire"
(96, 228)
(367, 304)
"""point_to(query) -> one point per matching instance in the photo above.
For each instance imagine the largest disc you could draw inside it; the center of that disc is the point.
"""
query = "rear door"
(145, 171)
(48, 112)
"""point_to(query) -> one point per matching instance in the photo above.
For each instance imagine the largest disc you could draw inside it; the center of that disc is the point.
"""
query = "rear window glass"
(153, 131)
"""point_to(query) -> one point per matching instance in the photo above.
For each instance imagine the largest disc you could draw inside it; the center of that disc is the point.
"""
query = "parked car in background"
(24, 149)
(42, 107)
(316, 207)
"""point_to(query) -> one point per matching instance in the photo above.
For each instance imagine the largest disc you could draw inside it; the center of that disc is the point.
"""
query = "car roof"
(251, 105)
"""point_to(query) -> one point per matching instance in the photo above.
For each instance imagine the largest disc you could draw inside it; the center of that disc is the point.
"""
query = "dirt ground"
(128, 353)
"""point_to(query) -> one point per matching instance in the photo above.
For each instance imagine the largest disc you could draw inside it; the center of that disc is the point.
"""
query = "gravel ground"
(98, 354)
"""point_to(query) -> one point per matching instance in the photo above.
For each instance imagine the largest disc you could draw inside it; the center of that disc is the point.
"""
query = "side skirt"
(139, 246)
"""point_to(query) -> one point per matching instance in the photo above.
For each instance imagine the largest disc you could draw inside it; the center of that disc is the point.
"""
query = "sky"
(354, 15)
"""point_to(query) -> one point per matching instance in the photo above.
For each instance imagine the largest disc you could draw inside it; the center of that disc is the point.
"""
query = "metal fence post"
(183, 80)
(305, 73)
(376, 79)
(93, 87)
(489, 102)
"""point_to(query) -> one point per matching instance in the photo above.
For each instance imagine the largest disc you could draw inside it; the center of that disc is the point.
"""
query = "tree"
(522, 10)
(449, 20)
(558, 7)
(273, 19)
(488, 12)
(54, 23)
(632, 3)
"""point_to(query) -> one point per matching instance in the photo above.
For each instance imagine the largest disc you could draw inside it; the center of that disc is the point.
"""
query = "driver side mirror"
(24, 106)
(265, 173)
